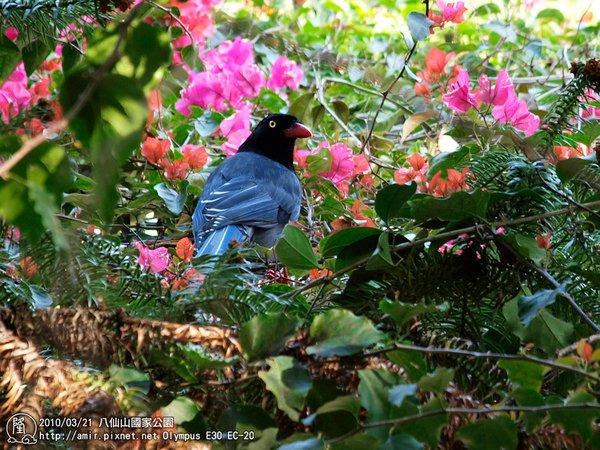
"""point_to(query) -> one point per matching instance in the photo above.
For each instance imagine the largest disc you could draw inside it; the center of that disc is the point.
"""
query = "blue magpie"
(255, 193)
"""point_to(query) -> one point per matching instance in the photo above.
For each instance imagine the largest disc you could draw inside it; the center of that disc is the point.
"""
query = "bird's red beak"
(297, 131)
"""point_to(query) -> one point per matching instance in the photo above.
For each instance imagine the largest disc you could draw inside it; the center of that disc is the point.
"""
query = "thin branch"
(440, 412)
(573, 347)
(483, 355)
(385, 95)
(441, 236)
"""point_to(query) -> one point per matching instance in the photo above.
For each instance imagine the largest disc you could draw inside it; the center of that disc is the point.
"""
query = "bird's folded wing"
(239, 201)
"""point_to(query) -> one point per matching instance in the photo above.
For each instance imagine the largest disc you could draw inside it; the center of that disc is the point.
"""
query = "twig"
(472, 354)
(490, 410)
(447, 235)
(366, 90)
(83, 98)
(587, 319)
(385, 95)
(573, 347)
(332, 113)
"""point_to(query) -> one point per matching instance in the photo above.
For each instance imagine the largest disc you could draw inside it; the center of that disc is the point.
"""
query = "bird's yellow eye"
(272, 124)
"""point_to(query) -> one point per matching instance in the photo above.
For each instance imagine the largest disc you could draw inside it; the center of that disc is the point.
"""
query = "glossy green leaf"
(334, 244)
(400, 392)
(294, 250)
(10, 57)
(524, 374)
(132, 378)
(391, 198)
(529, 397)
(437, 381)
(413, 363)
(339, 332)
(403, 312)
(245, 418)
(526, 246)
(320, 162)
(489, 434)
(576, 420)
(427, 429)
(419, 25)
(266, 334)
(289, 382)
(186, 414)
(447, 160)
(530, 305)
(34, 54)
(175, 201)
(459, 206)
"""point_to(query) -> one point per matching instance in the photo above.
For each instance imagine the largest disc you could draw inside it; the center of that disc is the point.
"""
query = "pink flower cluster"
(236, 128)
(14, 96)
(344, 164)
(156, 260)
(196, 16)
(451, 12)
(507, 108)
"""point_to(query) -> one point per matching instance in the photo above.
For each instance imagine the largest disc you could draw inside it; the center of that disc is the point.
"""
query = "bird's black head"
(275, 136)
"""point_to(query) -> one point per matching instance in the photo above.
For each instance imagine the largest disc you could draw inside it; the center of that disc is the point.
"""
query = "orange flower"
(544, 241)
(340, 224)
(436, 61)
(176, 170)
(422, 90)
(195, 156)
(155, 149)
(417, 171)
(28, 267)
(455, 181)
(315, 274)
(357, 211)
(185, 249)
(585, 350)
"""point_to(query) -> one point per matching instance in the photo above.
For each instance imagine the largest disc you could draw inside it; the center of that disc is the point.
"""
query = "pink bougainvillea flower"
(240, 120)
(590, 112)
(196, 16)
(452, 12)
(459, 98)
(156, 260)
(207, 90)
(515, 111)
(234, 140)
(500, 94)
(285, 72)
(195, 156)
(248, 80)
(185, 249)
(14, 96)
(155, 149)
(176, 170)
(361, 165)
(342, 163)
(11, 33)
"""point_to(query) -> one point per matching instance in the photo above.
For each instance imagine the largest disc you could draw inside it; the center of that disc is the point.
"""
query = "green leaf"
(34, 54)
(300, 107)
(437, 381)
(524, 374)
(245, 418)
(320, 162)
(402, 442)
(551, 14)
(567, 169)
(10, 57)
(526, 246)
(374, 390)
(130, 377)
(418, 24)
(382, 256)
(208, 123)
(337, 417)
(459, 206)
(530, 305)
(334, 244)
(201, 359)
(304, 444)
(578, 420)
(529, 397)
(447, 160)
(271, 101)
(186, 414)
(545, 331)
(294, 250)
(391, 198)
(289, 382)
(428, 429)
(265, 335)
(175, 201)
(339, 332)
(400, 392)
(41, 298)
(412, 363)
(360, 441)
(403, 312)
(489, 434)
(148, 48)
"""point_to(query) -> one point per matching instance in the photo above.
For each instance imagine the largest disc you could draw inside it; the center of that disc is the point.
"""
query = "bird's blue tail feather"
(217, 242)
